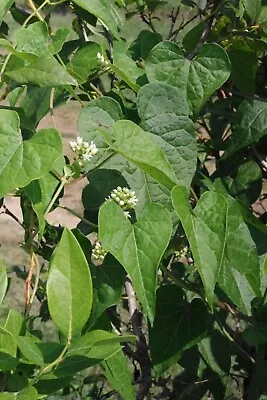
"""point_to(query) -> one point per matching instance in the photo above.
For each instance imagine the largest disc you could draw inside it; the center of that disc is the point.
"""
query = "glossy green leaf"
(103, 11)
(197, 79)
(164, 111)
(178, 324)
(4, 7)
(44, 71)
(13, 326)
(137, 247)
(253, 8)
(30, 350)
(85, 62)
(69, 286)
(249, 127)
(90, 349)
(92, 343)
(118, 374)
(127, 139)
(236, 287)
(205, 228)
(29, 393)
(3, 282)
(31, 159)
(124, 67)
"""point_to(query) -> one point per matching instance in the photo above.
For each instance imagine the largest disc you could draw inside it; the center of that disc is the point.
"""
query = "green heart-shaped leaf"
(197, 78)
(23, 161)
(137, 247)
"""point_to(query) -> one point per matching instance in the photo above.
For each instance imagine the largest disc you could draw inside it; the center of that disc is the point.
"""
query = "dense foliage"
(160, 291)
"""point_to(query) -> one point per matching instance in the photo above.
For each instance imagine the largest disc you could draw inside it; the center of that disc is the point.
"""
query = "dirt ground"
(11, 234)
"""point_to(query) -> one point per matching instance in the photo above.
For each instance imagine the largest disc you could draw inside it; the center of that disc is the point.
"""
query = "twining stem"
(28, 285)
(35, 10)
(54, 198)
(86, 221)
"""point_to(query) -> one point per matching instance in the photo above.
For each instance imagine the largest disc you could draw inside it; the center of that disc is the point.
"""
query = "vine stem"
(35, 10)
(51, 106)
(86, 221)
(53, 364)
(54, 198)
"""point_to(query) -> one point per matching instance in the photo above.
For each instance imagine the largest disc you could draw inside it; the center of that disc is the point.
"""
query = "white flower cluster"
(183, 252)
(102, 61)
(125, 197)
(98, 253)
(83, 150)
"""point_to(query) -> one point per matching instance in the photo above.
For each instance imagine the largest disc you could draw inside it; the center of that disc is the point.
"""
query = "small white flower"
(102, 61)
(125, 198)
(98, 253)
(83, 150)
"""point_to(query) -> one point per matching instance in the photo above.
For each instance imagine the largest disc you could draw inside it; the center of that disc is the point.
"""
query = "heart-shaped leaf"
(23, 161)
(178, 324)
(197, 79)
(164, 111)
(137, 247)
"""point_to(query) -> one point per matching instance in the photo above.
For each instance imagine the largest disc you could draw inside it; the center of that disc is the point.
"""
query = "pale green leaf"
(30, 350)
(69, 286)
(137, 247)
(85, 62)
(31, 159)
(13, 326)
(44, 71)
(118, 374)
(4, 7)
(29, 393)
(197, 79)
(164, 111)
(127, 139)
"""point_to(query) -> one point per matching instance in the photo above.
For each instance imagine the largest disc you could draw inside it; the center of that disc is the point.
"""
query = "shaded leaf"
(13, 326)
(178, 324)
(205, 228)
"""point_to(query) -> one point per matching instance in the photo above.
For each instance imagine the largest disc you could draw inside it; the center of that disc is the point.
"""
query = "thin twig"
(8, 212)
(35, 10)
(173, 17)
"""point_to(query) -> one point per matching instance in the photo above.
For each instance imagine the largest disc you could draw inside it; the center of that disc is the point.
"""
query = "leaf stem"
(35, 11)
(86, 221)
(53, 364)
(54, 198)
